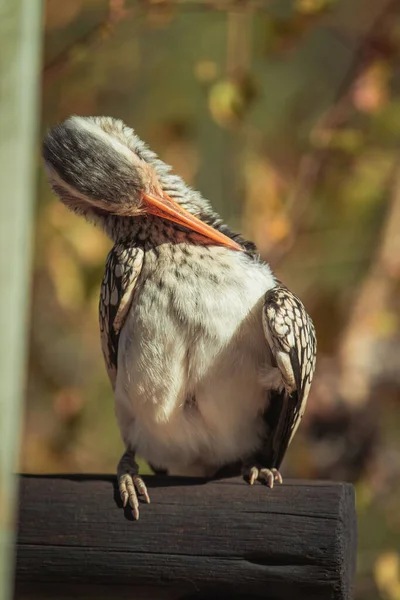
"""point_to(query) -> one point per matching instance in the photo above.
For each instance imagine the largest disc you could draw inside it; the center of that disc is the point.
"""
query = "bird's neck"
(149, 231)
(120, 228)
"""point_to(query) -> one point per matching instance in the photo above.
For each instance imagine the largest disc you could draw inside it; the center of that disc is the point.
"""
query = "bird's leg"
(255, 472)
(130, 484)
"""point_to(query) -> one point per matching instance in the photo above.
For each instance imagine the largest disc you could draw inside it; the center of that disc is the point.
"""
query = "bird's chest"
(190, 354)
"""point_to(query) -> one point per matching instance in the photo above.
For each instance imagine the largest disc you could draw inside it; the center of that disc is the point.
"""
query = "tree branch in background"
(374, 44)
(342, 420)
(102, 31)
(373, 321)
(204, 5)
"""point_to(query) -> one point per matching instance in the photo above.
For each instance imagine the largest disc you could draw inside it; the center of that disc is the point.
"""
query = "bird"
(209, 355)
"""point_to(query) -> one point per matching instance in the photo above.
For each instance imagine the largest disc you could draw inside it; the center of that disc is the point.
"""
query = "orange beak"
(167, 208)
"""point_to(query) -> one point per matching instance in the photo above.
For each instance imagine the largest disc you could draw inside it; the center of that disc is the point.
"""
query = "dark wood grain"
(195, 540)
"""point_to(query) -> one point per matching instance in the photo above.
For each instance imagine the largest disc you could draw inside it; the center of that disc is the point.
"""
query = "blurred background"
(286, 115)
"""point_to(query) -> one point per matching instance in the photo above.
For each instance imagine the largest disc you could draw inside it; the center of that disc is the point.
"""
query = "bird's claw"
(130, 486)
(266, 476)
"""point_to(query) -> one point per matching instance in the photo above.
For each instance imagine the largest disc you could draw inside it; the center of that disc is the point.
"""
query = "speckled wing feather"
(122, 270)
(291, 336)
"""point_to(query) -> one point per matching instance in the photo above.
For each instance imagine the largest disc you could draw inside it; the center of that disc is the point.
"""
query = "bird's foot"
(130, 484)
(266, 476)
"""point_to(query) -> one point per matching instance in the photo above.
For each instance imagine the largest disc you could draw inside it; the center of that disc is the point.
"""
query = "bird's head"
(99, 167)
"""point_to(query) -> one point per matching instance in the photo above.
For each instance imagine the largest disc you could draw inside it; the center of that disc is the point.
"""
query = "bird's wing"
(291, 337)
(122, 270)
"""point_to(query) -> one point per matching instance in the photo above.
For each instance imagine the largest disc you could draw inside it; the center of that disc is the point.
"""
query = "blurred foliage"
(286, 114)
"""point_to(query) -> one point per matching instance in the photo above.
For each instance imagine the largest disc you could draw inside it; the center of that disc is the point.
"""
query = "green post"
(20, 41)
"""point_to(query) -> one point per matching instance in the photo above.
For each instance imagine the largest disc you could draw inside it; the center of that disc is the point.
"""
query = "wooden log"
(197, 539)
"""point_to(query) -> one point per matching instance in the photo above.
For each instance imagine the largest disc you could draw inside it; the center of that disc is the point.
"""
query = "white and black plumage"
(210, 358)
